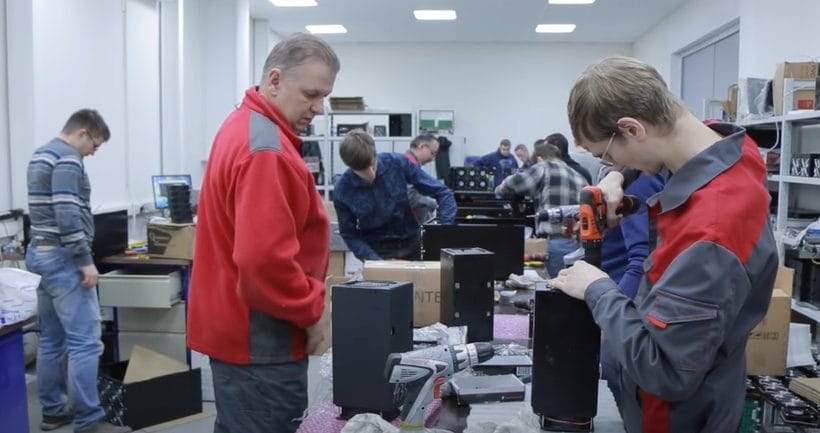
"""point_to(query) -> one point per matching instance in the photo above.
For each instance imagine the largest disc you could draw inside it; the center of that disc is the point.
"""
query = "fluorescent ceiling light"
(293, 3)
(325, 29)
(571, 2)
(555, 28)
(446, 15)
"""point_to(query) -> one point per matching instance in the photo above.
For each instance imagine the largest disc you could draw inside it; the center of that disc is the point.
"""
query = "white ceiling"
(478, 20)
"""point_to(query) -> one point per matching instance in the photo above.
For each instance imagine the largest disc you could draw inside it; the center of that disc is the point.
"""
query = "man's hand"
(315, 336)
(612, 189)
(575, 280)
(90, 275)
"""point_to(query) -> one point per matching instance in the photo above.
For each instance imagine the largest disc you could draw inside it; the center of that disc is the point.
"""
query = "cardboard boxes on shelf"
(768, 342)
(803, 99)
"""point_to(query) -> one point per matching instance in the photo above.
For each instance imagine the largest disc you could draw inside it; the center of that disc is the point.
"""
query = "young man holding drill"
(708, 281)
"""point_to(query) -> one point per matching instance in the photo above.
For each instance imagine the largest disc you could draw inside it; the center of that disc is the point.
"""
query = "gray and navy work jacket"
(707, 283)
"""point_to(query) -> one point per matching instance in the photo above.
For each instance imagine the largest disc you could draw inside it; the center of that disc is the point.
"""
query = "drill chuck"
(560, 214)
(568, 213)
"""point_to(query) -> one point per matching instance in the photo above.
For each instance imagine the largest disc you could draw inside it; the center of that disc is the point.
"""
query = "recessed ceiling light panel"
(293, 3)
(438, 15)
(571, 2)
(326, 29)
(555, 28)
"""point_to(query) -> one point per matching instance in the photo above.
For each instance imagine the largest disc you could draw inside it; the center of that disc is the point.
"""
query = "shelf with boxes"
(795, 179)
(794, 182)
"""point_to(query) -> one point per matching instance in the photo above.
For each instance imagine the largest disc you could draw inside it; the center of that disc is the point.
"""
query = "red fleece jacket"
(261, 241)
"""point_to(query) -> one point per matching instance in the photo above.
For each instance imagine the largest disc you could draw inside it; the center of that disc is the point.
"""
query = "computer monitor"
(160, 186)
(110, 233)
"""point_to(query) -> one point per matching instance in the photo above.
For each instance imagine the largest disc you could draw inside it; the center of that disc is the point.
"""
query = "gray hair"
(297, 50)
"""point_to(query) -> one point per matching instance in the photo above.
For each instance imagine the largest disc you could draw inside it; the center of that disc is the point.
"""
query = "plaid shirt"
(549, 183)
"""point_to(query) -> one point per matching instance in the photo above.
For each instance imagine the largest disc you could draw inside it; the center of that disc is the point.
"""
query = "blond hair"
(619, 87)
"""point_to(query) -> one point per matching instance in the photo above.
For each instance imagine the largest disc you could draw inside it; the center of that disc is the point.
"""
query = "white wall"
(73, 51)
(225, 64)
(770, 32)
(5, 148)
(142, 99)
(498, 90)
(691, 22)
(163, 74)
(194, 139)
(172, 59)
(260, 47)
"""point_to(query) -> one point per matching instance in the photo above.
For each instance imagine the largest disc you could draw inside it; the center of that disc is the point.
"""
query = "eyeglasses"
(93, 140)
(605, 160)
(433, 152)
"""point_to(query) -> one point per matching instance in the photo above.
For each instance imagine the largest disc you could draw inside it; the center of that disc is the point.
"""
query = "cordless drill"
(591, 215)
(420, 370)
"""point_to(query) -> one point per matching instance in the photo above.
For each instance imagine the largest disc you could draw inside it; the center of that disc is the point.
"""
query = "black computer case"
(566, 348)
(467, 292)
(370, 320)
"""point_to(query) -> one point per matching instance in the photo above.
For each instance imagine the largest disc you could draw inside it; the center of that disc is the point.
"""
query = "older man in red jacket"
(257, 290)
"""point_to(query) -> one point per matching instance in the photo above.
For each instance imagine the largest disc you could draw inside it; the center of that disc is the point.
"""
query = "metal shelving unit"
(329, 141)
(787, 185)
(787, 124)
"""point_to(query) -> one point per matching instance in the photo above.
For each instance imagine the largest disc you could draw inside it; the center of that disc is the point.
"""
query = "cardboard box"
(336, 266)
(171, 241)
(169, 344)
(803, 99)
(817, 93)
(129, 390)
(730, 104)
(535, 246)
(768, 342)
(426, 279)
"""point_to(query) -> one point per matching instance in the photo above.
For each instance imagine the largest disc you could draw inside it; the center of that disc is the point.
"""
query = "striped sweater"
(59, 200)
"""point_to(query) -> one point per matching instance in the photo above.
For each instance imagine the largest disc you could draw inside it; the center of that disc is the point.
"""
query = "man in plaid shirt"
(550, 182)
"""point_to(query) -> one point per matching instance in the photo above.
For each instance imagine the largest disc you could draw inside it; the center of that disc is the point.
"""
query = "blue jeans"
(69, 326)
(557, 248)
(259, 398)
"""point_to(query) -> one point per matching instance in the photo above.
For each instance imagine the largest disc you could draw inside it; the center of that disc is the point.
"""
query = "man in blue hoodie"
(502, 161)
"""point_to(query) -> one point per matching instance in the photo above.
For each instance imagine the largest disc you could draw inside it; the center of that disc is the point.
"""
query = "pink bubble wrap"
(323, 417)
(510, 326)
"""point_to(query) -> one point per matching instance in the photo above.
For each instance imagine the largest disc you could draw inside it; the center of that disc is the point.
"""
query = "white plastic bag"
(18, 295)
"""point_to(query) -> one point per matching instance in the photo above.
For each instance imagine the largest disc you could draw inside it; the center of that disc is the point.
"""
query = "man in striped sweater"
(62, 230)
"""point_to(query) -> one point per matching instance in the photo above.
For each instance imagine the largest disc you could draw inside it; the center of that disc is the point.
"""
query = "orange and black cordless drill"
(591, 216)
